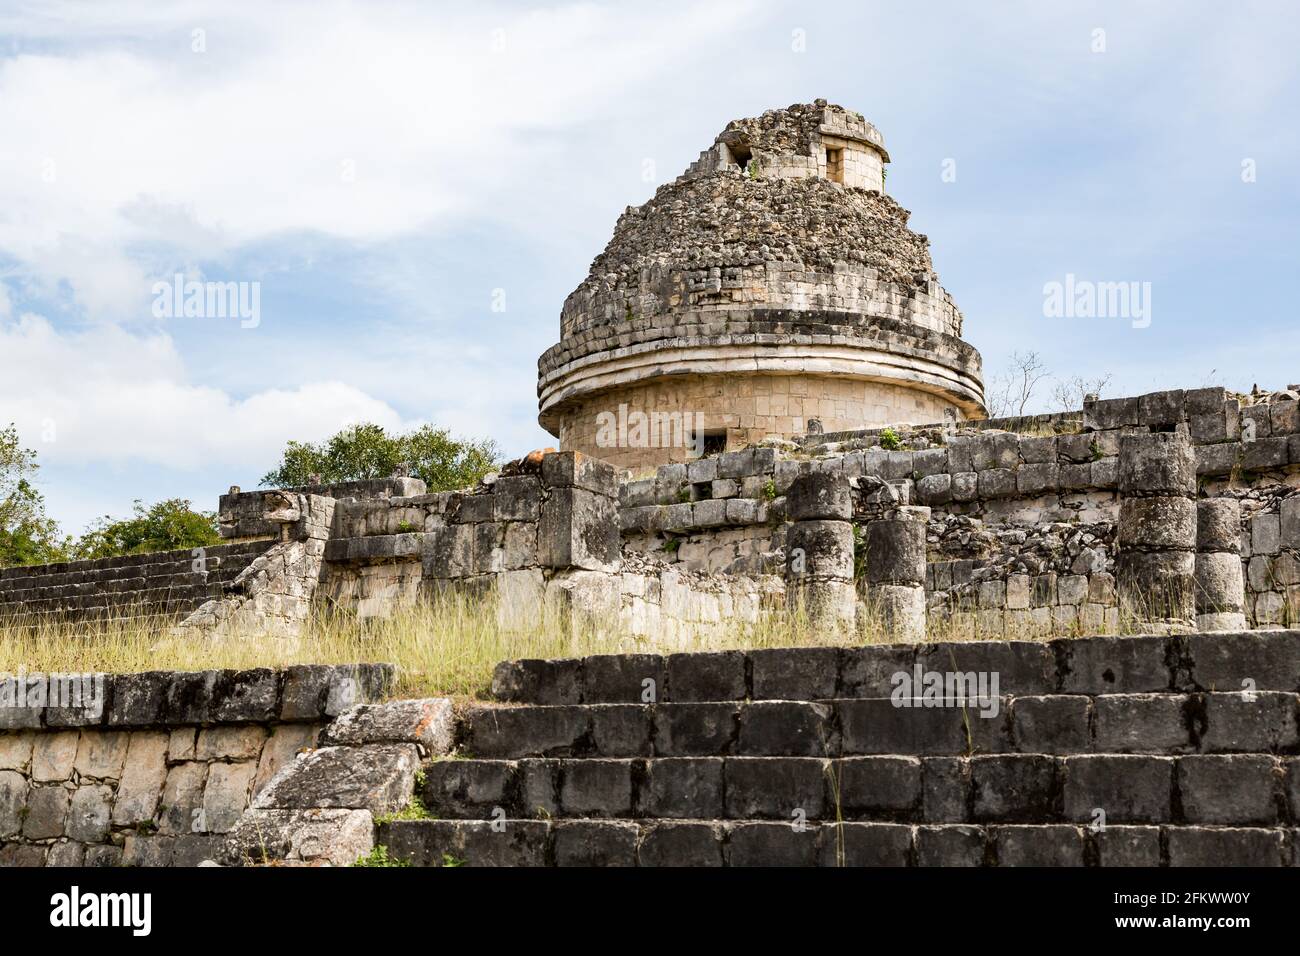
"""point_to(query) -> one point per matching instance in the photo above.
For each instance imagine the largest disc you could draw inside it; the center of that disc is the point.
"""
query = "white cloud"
(360, 122)
(103, 395)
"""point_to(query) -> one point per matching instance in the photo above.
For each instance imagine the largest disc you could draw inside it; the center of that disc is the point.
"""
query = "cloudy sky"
(417, 186)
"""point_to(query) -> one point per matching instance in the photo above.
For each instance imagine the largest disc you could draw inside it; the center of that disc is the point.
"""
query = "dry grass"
(447, 647)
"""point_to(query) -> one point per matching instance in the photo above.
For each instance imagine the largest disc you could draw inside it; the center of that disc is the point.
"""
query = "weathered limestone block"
(379, 778)
(428, 722)
(819, 496)
(13, 798)
(1220, 583)
(100, 754)
(281, 748)
(826, 602)
(66, 854)
(88, 813)
(579, 529)
(1160, 463)
(143, 776)
(1157, 528)
(895, 548)
(16, 750)
(1218, 525)
(47, 811)
(230, 743)
(225, 795)
(53, 756)
(182, 798)
(899, 610)
(820, 550)
(1158, 523)
(336, 837)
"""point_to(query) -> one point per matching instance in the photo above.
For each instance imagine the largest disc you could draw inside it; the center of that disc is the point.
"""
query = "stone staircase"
(1170, 751)
(162, 583)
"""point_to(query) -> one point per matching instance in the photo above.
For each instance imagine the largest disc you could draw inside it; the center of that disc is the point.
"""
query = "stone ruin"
(831, 456)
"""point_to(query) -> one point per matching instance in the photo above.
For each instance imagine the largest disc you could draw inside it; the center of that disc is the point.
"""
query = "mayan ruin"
(793, 554)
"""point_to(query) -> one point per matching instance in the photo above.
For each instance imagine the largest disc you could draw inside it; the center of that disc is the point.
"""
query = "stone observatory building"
(772, 289)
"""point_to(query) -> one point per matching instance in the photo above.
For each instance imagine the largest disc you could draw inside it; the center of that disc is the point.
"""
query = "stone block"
(622, 678)
(803, 673)
(595, 788)
(1157, 522)
(820, 551)
(596, 843)
(1052, 725)
(784, 788)
(1225, 846)
(281, 748)
(470, 789)
(578, 529)
(706, 676)
(680, 844)
(997, 483)
(1052, 845)
(428, 722)
(47, 811)
(683, 788)
(873, 785)
(1127, 789)
(507, 732)
(243, 742)
(786, 729)
(143, 775)
(1142, 723)
(695, 729)
(226, 794)
(101, 754)
(945, 789)
(379, 778)
(1127, 846)
(1013, 787)
(950, 846)
(53, 756)
(88, 813)
(1258, 722)
(1229, 789)
(1159, 464)
(181, 805)
(819, 496)
(334, 837)
(771, 844)
(865, 844)
(137, 698)
(13, 800)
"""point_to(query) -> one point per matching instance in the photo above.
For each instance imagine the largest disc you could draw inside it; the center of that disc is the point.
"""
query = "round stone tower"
(772, 289)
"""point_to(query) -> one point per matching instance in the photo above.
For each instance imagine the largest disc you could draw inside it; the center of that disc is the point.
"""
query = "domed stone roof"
(775, 253)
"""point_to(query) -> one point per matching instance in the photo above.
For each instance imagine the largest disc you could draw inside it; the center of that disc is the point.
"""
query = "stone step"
(1166, 723)
(1270, 660)
(1199, 789)
(509, 842)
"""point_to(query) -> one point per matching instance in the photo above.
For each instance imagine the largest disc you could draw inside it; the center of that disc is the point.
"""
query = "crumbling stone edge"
(321, 809)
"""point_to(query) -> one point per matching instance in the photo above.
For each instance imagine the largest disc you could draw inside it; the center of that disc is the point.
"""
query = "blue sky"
(387, 171)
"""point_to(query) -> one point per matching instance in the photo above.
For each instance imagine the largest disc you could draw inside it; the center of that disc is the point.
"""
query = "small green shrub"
(889, 440)
(379, 857)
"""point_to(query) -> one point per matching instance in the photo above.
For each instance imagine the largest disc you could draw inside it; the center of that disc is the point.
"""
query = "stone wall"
(154, 769)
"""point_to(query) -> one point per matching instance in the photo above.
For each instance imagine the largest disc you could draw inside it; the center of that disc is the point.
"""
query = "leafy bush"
(366, 451)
